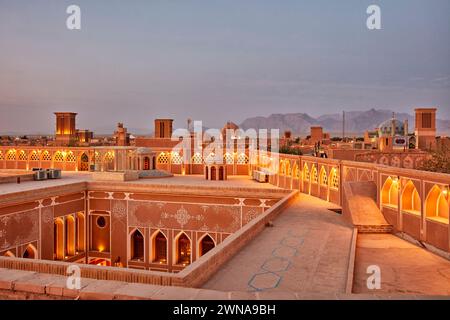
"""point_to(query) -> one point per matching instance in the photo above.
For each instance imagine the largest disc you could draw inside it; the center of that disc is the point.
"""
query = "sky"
(217, 60)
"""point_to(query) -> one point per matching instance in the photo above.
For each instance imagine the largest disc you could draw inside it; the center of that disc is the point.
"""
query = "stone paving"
(405, 268)
(306, 251)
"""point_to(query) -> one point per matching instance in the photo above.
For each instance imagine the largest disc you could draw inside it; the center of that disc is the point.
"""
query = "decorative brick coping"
(193, 276)
(15, 284)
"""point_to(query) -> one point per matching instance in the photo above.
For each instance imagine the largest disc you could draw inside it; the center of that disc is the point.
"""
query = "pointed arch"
(205, 244)
(334, 179)
(159, 247)
(30, 252)
(306, 174)
(183, 249)
(410, 199)
(323, 176)
(295, 171)
(436, 204)
(137, 245)
(314, 175)
(389, 192)
(288, 168)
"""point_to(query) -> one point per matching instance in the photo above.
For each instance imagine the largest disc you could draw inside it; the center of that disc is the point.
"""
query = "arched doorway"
(137, 246)
(146, 163)
(213, 173)
(30, 252)
(221, 173)
(58, 239)
(160, 248)
(206, 244)
(154, 163)
(84, 163)
(80, 232)
(183, 250)
(206, 172)
(70, 236)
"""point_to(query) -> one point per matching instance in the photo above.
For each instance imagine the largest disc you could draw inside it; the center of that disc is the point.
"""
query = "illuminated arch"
(176, 158)
(58, 157)
(295, 171)
(22, 156)
(205, 244)
(183, 249)
(137, 245)
(282, 168)
(436, 204)
(34, 156)
(334, 179)
(306, 174)
(323, 176)
(80, 232)
(163, 158)
(70, 157)
(30, 252)
(70, 236)
(288, 168)
(197, 158)
(11, 155)
(410, 198)
(242, 159)
(45, 156)
(389, 192)
(159, 247)
(58, 239)
(314, 175)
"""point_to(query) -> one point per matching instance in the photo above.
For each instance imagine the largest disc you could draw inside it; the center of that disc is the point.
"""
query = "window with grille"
(197, 158)
(2, 157)
(315, 177)
(163, 158)
(71, 157)
(160, 248)
(97, 157)
(11, 155)
(228, 158)
(34, 156)
(46, 156)
(58, 157)
(323, 177)
(306, 174)
(334, 179)
(23, 156)
(242, 159)
(176, 158)
(109, 157)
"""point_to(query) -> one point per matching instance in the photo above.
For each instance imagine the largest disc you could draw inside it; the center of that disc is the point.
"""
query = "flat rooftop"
(306, 251)
(177, 180)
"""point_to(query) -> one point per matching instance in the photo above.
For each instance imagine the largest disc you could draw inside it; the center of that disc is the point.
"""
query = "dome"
(385, 128)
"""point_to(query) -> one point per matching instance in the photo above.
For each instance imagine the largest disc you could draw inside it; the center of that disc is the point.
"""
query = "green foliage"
(287, 150)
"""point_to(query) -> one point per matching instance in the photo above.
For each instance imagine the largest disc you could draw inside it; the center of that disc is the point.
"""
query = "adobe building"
(121, 136)
(66, 132)
(163, 128)
(425, 128)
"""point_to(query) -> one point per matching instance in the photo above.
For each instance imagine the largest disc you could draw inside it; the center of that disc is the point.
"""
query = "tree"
(439, 161)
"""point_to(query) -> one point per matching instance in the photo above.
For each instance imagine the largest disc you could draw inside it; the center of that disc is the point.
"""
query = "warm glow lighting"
(101, 248)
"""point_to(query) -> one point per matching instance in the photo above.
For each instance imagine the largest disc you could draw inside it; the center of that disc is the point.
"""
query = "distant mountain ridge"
(356, 122)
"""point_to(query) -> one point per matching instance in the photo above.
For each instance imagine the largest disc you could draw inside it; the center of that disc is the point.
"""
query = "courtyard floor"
(306, 252)
(405, 267)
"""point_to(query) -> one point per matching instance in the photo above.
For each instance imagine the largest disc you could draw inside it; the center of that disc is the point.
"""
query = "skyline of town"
(216, 62)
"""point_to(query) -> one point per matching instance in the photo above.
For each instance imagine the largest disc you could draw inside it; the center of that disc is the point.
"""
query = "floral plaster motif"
(19, 228)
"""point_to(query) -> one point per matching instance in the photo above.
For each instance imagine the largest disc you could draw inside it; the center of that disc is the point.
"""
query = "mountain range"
(356, 122)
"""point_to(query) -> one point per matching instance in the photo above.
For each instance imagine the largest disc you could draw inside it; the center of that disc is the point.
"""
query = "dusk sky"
(217, 60)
